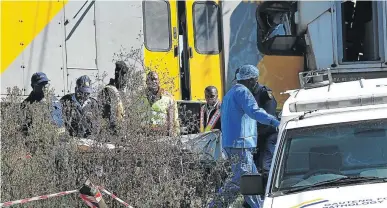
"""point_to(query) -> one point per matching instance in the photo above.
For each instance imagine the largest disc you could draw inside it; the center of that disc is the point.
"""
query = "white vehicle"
(331, 152)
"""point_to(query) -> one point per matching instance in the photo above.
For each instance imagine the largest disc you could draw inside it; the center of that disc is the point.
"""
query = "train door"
(161, 52)
(80, 30)
(204, 47)
(183, 55)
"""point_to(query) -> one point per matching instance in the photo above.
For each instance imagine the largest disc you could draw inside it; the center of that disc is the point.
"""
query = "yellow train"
(195, 43)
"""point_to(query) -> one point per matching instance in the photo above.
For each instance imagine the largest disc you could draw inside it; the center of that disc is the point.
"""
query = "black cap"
(38, 78)
(84, 84)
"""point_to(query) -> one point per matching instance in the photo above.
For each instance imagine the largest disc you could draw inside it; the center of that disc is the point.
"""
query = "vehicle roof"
(340, 116)
(333, 91)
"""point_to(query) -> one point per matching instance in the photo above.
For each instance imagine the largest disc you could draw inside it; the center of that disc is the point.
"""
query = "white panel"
(80, 35)
(308, 11)
(45, 53)
(13, 76)
(239, 37)
(119, 26)
(227, 8)
(321, 36)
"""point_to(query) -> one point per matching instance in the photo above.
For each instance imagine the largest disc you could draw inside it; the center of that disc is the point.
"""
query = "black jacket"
(55, 110)
(266, 100)
(80, 121)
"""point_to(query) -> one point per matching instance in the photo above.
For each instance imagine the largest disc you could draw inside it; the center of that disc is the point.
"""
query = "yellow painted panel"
(165, 63)
(205, 69)
(280, 73)
(21, 22)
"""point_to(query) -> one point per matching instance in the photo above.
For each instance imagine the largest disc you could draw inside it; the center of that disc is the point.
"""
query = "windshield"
(316, 154)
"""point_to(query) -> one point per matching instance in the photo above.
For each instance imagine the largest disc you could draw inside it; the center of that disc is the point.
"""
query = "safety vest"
(120, 108)
(156, 115)
(159, 111)
(212, 121)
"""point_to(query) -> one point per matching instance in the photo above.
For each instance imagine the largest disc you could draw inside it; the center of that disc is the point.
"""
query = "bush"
(145, 173)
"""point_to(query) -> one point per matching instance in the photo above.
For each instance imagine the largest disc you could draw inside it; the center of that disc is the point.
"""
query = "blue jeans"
(241, 163)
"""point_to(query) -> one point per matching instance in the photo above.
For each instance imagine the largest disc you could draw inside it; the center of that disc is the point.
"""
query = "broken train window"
(359, 31)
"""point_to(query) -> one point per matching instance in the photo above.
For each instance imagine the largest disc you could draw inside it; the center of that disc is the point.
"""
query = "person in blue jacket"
(240, 113)
(267, 134)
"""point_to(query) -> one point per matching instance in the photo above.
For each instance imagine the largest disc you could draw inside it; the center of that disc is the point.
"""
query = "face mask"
(46, 89)
(82, 96)
(42, 89)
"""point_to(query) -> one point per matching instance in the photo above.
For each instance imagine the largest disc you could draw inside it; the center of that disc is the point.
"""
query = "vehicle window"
(317, 154)
(206, 27)
(157, 34)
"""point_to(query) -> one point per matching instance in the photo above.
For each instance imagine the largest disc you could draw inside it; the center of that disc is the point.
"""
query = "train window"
(157, 24)
(359, 38)
(276, 29)
(206, 27)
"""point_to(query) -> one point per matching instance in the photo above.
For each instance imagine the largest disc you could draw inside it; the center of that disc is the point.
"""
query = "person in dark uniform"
(80, 110)
(46, 103)
(267, 134)
(39, 94)
(110, 97)
(51, 108)
(263, 157)
(210, 112)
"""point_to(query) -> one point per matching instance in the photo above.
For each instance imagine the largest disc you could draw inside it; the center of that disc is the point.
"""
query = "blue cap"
(84, 84)
(38, 78)
(247, 72)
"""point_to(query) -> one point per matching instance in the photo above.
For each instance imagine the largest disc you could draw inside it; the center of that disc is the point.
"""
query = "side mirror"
(252, 184)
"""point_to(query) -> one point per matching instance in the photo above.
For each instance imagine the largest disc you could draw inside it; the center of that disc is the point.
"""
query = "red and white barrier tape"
(114, 197)
(63, 193)
(22, 201)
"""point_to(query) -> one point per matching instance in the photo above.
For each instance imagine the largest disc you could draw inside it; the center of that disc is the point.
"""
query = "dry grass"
(145, 174)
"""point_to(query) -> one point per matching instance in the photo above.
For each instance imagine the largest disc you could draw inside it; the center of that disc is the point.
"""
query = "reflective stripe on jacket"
(209, 119)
